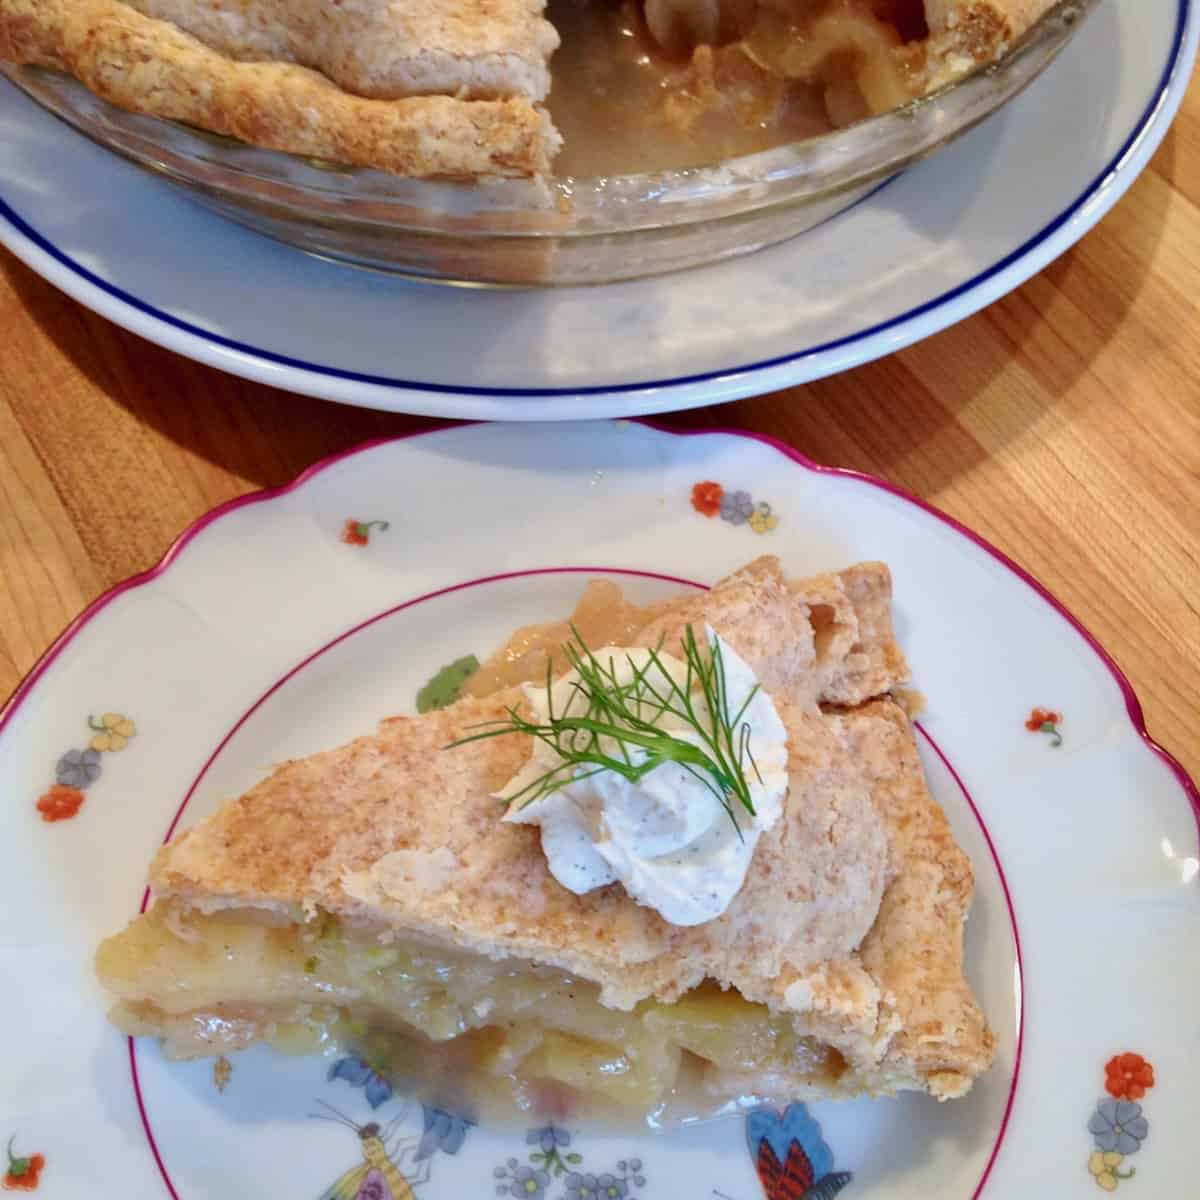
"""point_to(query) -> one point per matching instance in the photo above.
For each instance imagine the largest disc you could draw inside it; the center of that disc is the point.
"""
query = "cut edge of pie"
(451, 89)
(369, 896)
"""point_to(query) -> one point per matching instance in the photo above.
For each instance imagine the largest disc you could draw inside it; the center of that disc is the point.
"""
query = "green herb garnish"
(627, 714)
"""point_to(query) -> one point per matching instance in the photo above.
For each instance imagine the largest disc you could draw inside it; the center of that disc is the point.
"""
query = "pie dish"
(459, 87)
(369, 897)
(625, 198)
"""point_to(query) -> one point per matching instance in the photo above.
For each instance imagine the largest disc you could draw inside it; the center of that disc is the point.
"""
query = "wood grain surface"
(1062, 423)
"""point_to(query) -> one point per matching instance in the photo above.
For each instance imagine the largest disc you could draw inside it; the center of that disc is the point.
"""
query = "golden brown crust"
(150, 66)
(383, 49)
(915, 949)
(827, 639)
(856, 650)
(967, 33)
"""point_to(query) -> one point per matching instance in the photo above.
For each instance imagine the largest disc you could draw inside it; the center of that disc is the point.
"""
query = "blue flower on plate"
(1118, 1125)
(609, 1187)
(528, 1183)
(78, 768)
(443, 1131)
(548, 1137)
(736, 507)
(581, 1186)
(357, 1072)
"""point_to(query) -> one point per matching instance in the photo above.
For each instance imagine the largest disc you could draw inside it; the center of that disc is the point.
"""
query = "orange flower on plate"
(23, 1170)
(358, 533)
(353, 534)
(1047, 721)
(706, 497)
(1127, 1076)
(1040, 717)
(59, 803)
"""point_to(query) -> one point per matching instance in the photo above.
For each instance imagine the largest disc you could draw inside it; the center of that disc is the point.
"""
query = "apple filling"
(481, 1035)
(648, 85)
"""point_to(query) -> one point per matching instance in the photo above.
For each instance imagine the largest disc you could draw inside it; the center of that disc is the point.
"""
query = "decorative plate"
(940, 242)
(290, 621)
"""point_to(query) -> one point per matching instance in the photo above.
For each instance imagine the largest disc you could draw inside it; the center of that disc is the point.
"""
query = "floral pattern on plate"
(78, 768)
(358, 533)
(711, 499)
(1047, 721)
(554, 1161)
(1118, 1126)
(23, 1170)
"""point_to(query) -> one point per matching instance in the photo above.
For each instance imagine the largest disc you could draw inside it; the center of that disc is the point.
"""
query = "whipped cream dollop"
(666, 838)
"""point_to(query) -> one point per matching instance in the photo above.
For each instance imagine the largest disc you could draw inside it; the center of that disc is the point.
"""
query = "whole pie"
(371, 898)
(462, 88)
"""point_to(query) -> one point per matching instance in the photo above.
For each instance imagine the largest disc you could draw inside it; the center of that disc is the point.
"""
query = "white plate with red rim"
(290, 621)
(942, 241)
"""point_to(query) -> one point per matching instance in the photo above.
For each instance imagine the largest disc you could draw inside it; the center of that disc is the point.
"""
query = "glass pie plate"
(561, 230)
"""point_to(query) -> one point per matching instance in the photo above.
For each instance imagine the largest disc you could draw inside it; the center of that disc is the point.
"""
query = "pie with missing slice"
(462, 88)
(371, 898)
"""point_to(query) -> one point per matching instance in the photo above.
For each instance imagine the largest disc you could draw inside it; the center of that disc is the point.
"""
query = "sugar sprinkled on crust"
(383, 49)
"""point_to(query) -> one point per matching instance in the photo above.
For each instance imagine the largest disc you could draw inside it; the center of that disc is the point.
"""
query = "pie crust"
(437, 88)
(846, 935)
(153, 66)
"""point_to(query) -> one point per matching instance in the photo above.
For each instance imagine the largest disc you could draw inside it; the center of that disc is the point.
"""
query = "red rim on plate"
(1133, 705)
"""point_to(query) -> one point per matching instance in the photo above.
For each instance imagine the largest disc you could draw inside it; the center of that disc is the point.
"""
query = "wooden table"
(1063, 424)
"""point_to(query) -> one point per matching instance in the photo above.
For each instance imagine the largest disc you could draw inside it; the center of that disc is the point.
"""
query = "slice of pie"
(371, 898)
(460, 87)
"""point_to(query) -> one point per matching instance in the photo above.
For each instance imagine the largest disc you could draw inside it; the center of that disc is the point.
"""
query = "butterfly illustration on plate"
(791, 1158)
(378, 1176)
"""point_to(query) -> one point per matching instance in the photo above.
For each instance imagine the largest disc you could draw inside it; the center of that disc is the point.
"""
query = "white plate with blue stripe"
(938, 243)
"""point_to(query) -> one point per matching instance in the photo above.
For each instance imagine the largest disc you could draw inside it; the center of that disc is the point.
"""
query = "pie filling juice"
(482, 1037)
(774, 73)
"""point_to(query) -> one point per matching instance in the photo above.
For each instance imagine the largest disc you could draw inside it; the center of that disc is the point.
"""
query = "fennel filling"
(483, 1036)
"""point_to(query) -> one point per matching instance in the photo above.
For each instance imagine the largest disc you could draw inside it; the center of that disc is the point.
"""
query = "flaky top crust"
(383, 49)
(396, 830)
(151, 66)
(914, 950)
